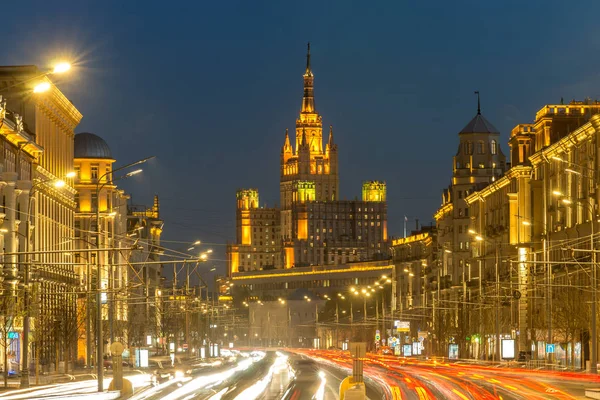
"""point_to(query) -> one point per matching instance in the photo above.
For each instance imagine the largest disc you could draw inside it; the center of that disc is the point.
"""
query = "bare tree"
(10, 312)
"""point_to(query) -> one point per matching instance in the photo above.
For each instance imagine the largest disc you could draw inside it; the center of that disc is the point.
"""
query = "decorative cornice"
(515, 172)
(445, 209)
(581, 134)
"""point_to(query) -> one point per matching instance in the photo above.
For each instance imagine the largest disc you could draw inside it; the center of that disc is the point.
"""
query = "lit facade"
(414, 281)
(312, 226)
(51, 118)
(144, 227)
(545, 203)
(527, 272)
(478, 162)
(93, 165)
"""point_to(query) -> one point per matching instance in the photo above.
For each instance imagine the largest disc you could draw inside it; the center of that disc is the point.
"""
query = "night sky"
(210, 87)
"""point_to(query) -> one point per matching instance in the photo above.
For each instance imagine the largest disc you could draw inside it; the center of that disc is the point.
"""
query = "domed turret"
(88, 145)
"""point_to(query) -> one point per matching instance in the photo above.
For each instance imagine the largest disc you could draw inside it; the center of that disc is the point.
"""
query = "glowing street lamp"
(61, 68)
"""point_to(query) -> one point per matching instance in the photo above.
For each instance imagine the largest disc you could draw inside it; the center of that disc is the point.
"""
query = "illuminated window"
(94, 171)
(494, 147)
(481, 165)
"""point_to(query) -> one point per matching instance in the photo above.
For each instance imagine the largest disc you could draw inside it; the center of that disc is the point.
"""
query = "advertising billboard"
(453, 351)
(508, 349)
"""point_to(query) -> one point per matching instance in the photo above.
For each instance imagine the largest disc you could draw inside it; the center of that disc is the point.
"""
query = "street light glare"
(132, 173)
(59, 183)
(472, 232)
(478, 238)
(42, 87)
(61, 68)
(572, 171)
(557, 193)
(526, 223)
(556, 158)
(71, 174)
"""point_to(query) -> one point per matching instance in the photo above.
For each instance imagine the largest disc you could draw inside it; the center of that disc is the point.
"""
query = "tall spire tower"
(308, 163)
(309, 120)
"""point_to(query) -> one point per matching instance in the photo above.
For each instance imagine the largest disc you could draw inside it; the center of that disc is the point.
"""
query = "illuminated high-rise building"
(312, 226)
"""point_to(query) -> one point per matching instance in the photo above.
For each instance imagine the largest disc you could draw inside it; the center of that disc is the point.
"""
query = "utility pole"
(594, 357)
(497, 305)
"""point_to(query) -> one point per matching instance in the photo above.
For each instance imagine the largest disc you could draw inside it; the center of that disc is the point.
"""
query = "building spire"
(286, 144)
(478, 103)
(308, 99)
(308, 70)
(330, 136)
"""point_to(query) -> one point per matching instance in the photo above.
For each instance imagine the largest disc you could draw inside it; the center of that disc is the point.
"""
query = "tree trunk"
(5, 334)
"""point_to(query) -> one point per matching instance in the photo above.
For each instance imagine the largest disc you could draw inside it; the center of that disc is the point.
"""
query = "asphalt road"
(412, 379)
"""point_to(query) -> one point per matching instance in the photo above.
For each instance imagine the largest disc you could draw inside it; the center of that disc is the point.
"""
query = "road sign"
(550, 348)
(402, 326)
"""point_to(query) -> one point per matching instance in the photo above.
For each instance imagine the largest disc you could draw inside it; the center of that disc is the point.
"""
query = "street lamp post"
(99, 340)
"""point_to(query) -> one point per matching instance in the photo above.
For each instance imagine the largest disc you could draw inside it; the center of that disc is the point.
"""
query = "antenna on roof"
(478, 103)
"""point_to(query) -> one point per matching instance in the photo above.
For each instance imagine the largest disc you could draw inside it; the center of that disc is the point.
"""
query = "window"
(77, 200)
(460, 229)
(466, 212)
(480, 147)
(460, 212)
(94, 171)
(460, 194)
(77, 169)
(481, 165)
(468, 147)
(77, 228)
(94, 201)
(494, 146)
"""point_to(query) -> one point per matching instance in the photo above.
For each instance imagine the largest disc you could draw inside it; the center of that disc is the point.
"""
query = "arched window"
(494, 147)
(480, 147)
(469, 147)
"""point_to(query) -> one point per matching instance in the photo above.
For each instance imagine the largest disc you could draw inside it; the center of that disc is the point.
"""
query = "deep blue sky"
(209, 88)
